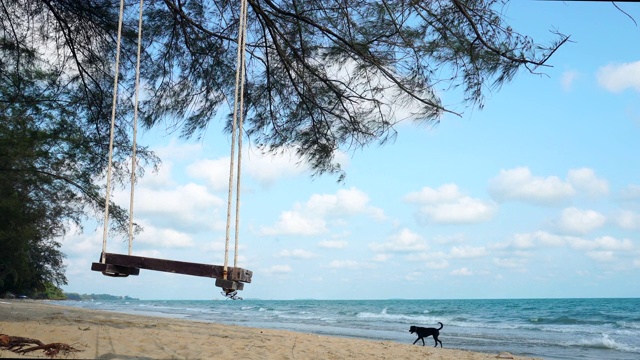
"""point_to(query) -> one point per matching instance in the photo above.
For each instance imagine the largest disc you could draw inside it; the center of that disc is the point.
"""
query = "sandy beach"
(108, 335)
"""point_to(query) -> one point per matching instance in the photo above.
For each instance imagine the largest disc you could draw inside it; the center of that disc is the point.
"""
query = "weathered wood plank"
(178, 267)
(114, 270)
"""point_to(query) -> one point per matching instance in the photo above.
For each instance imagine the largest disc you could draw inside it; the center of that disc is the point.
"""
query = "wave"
(605, 342)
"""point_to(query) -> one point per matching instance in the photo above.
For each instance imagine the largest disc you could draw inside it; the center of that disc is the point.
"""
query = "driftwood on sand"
(23, 345)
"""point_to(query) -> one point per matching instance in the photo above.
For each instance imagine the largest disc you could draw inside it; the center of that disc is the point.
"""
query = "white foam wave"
(606, 342)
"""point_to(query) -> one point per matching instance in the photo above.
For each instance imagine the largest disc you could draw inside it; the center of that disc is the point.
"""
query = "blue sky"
(536, 195)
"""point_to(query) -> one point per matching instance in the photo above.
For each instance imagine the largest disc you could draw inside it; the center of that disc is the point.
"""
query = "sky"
(537, 195)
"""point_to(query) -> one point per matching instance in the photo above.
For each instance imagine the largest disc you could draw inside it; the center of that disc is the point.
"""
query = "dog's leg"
(416, 341)
(435, 338)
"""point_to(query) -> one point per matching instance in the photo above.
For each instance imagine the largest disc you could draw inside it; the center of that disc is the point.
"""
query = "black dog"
(423, 332)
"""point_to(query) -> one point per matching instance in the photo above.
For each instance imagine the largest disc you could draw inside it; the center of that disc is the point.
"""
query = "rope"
(113, 121)
(241, 106)
(135, 129)
(239, 86)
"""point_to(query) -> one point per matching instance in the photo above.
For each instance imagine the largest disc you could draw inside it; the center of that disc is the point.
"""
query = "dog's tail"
(441, 325)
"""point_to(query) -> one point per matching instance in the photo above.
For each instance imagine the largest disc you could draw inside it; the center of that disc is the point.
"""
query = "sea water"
(552, 329)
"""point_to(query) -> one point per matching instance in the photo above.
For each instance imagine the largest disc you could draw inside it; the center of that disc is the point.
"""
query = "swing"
(230, 279)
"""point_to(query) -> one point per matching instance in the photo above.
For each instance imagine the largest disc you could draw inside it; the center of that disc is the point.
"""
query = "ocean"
(551, 329)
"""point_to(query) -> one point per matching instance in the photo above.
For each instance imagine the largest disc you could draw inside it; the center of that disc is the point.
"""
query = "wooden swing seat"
(118, 265)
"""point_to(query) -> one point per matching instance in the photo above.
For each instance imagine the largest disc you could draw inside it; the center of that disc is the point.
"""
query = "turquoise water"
(553, 329)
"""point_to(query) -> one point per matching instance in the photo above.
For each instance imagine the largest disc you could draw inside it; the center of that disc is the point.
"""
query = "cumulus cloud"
(277, 270)
(519, 241)
(436, 260)
(381, 257)
(447, 205)
(297, 254)
(462, 272)
(611, 243)
(159, 179)
(189, 206)
(261, 165)
(311, 218)
(344, 264)
(333, 244)
(510, 262)
(601, 256)
(628, 220)
(176, 150)
(466, 252)
(619, 77)
(578, 221)
(164, 238)
(585, 180)
(568, 78)
(267, 167)
(403, 241)
(544, 239)
(76, 243)
(519, 184)
(345, 202)
(296, 223)
(215, 172)
(414, 275)
(631, 192)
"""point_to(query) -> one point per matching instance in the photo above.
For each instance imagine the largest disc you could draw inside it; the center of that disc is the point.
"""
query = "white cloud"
(414, 275)
(311, 218)
(214, 172)
(297, 254)
(605, 243)
(511, 263)
(447, 205)
(437, 264)
(161, 178)
(601, 256)
(430, 260)
(165, 238)
(568, 78)
(277, 269)
(403, 241)
(585, 180)
(522, 241)
(577, 221)
(263, 166)
(296, 223)
(466, 252)
(628, 220)
(267, 167)
(344, 202)
(81, 243)
(186, 206)
(519, 184)
(177, 150)
(445, 193)
(611, 243)
(631, 192)
(619, 77)
(462, 272)
(381, 257)
(344, 264)
(333, 244)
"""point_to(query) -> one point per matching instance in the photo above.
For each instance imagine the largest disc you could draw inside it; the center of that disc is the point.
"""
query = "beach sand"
(108, 335)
